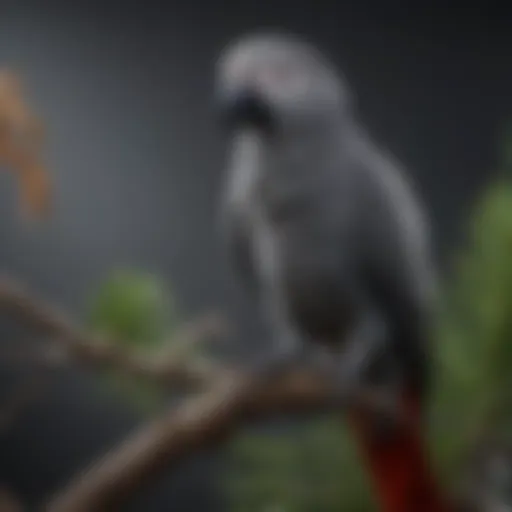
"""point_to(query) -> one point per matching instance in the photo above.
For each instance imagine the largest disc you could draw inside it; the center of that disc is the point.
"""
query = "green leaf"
(134, 308)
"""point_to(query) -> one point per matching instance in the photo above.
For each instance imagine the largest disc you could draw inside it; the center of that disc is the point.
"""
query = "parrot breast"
(314, 291)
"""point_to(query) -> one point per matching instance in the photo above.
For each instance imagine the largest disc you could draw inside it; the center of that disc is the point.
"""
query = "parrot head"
(275, 82)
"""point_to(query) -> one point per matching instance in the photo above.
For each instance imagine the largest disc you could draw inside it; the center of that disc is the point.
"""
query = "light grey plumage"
(323, 223)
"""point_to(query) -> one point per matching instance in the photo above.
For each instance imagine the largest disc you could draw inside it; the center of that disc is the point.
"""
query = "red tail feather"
(398, 465)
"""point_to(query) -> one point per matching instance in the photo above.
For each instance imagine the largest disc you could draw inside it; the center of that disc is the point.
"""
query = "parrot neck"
(286, 166)
(402, 478)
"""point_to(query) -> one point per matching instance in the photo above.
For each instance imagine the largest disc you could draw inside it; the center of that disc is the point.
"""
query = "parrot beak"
(244, 107)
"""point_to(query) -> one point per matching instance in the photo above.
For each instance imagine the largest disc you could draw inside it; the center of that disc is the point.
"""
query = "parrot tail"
(398, 464)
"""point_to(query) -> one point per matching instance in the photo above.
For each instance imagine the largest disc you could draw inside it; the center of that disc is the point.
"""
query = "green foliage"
(135, 309)
(475, 334)
(314, 467)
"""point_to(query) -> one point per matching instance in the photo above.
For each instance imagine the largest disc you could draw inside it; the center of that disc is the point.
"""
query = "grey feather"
(324, 223)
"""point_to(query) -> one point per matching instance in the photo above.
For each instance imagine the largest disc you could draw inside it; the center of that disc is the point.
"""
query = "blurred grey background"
(137, 160)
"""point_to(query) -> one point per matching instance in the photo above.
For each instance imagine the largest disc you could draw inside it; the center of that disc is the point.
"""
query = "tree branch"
(198, 424)
(21, 144)
(231, 398)
(73, 343)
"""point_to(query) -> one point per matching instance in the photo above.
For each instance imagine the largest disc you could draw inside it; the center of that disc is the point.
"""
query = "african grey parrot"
(320, 220)
(333, 241)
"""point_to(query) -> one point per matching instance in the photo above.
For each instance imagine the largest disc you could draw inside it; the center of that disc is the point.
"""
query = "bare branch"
(211, 327)
(232, 397)
(100, 352)
(198, 424)
(21, 144)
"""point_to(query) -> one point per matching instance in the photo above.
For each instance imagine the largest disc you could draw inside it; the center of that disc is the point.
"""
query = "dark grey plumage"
(321, 222)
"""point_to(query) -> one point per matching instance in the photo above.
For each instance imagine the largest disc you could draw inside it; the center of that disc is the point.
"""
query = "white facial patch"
(283, 80)
(235, 70)
(270, 71)
(291, 77)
